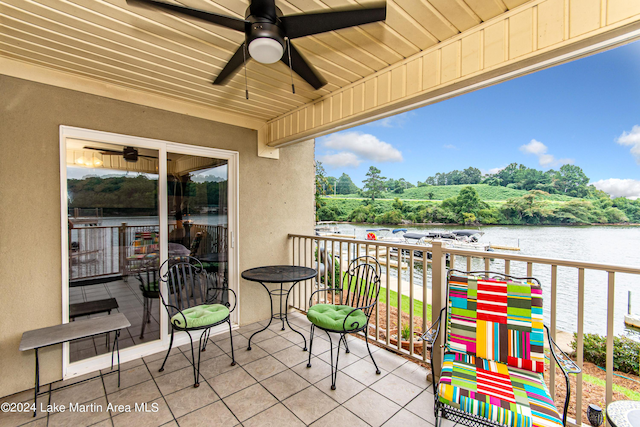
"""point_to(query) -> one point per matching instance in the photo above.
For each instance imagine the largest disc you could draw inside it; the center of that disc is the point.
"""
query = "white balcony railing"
(407, 277)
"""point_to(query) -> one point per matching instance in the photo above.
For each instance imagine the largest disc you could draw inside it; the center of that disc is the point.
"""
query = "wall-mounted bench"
(45, 337)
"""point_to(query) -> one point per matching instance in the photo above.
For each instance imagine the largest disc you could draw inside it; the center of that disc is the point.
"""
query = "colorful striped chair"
(493, 365)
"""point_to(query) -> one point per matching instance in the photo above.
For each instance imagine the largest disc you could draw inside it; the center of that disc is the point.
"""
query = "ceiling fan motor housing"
(130, 154)
(265, 28)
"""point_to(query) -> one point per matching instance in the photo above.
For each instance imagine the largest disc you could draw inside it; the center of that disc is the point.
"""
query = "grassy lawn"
(633, 395)
(417, 305)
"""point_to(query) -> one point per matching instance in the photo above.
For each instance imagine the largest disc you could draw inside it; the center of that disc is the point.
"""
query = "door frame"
(70, 370)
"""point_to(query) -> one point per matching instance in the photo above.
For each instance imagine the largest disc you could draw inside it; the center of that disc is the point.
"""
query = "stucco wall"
(276, 198)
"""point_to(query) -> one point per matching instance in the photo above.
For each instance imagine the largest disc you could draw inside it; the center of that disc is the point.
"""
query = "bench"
(93, 307)
(45, 337)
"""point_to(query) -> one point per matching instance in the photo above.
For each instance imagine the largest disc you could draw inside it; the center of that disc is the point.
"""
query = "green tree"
(471, 175)
(572, 181)
(374, 184)
(344, 185)
(321, 186)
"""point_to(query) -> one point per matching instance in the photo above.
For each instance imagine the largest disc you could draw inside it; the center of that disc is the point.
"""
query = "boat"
(386, 234)
(331, 230)
(460, 239)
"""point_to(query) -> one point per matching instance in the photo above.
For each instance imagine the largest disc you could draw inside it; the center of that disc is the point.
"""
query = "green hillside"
(442, 192)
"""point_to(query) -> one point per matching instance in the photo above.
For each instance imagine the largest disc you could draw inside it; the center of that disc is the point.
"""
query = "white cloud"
(539, 150)
(363, 145)
(632, 139)
(629, 188)
(450, 147)
(341, 160)
(491, 171)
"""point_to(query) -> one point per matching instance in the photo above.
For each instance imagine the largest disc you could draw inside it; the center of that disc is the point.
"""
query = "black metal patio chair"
(493, 366)
(147, 275)
(194, 304)
(351, 310)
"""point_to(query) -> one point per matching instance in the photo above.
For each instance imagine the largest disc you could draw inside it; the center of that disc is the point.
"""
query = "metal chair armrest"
(178, 312)
(344, 322)
(322, 290)
(567, 366)
(430, 335)
(563, 360)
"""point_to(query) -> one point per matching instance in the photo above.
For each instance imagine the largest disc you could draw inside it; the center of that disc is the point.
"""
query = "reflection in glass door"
(113, 235)
(197, 190)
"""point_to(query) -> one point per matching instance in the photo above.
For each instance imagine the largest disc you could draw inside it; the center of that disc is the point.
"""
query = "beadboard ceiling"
(164, 54)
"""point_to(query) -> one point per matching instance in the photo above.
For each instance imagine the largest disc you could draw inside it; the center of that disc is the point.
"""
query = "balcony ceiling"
(168, 55)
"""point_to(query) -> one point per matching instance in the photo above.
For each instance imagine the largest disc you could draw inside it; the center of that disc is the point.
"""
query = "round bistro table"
(624, 413)
(279, 274)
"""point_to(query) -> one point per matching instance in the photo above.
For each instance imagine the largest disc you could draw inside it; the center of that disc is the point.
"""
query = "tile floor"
(270, 386)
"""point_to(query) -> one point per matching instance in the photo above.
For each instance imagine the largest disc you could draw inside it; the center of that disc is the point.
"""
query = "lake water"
(616, 245)
(599, 244)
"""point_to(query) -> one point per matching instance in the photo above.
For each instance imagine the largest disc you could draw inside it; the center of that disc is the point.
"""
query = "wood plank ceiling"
(161, 53)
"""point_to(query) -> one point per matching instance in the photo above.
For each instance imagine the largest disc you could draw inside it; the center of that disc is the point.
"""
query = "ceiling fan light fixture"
(266, 50)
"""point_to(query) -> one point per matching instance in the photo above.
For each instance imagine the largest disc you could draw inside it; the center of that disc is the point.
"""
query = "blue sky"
(582, 112)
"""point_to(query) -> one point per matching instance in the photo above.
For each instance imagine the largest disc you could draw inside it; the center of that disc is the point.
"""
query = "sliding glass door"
(128, 205)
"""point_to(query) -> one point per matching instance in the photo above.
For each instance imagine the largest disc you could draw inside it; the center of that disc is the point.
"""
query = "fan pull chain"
(293, 88)
(244, 60)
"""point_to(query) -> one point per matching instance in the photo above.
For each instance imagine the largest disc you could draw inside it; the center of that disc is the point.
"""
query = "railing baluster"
(377, 302)
(529, 269)
(610, 332)
(411, 303)
(580, 341)
(399, 297)
(554, 300)
(333, 272)
(469, 261)
(487, 264)
(388, 292)
(507, 266)
(425, 256)
(325, 250)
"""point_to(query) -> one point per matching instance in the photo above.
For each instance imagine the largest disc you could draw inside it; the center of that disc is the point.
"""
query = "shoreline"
(596, 224)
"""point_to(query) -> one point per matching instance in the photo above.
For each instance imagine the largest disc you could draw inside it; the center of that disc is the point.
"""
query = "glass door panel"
(114, 239)
(197, 189)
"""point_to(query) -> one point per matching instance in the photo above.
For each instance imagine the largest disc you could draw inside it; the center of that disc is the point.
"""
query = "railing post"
(438, 295)
(122, 247)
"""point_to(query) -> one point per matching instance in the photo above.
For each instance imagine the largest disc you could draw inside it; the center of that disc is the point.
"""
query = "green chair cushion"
(201, 315)
(329, 316)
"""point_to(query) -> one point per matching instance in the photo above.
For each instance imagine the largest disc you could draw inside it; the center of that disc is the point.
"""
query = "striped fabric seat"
(511, 396)
(496, 320)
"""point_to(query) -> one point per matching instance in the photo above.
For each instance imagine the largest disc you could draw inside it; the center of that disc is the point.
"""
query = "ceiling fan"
(268, 33)
(130, 154)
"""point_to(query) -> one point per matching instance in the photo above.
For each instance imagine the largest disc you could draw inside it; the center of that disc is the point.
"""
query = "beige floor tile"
(276, 416)
(275, 344)
(79, 393)
(22, 396)
(364, 371)
(249, 329)
(319, 370)
(422, 406)
(264, 368)
(413, 373)
(295, 337)
(128, 378)
(244, 356)
(42, 422)
(216, 366)
(340, 417)
(174, 362)
(310, 404)
(346, 387)
(387, 360)
(141, 393)
(372, 407)
(291, 356)
(231, 382)
(140, 418)
(212, 350)
(359, 348)
(319, 345)
(406, 418)
(345, 359)
(191, 398)
(262, 336)
(285, 384)
(224, 336)
(249, 402)
(93, 412)
(240, 342)
(160, 355)
(215, 414)
(176, 380)
(125, 366)
(11, 419)
(397, 389)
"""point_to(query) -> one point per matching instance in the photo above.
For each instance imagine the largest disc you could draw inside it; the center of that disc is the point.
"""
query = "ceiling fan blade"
(303, 68)
(223, 20)
(104, 151)
(263, 8)
(314, 23)
(232, 66)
